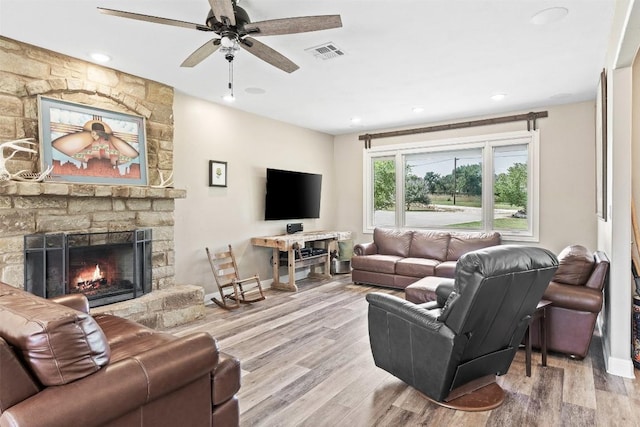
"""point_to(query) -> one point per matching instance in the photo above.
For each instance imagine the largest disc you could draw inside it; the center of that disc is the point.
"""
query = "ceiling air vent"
(326, 51)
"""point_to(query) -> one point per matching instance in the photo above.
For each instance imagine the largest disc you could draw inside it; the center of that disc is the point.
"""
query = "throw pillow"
(576, 265)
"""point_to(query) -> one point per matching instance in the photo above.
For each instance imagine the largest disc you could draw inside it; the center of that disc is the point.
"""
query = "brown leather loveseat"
(59, 366)
(397, 258)
(576, 295)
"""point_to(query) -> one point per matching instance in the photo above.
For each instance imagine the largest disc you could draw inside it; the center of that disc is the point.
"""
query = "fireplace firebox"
(106, 267)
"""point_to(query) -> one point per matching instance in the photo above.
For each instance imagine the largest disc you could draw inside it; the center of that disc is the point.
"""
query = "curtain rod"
(529, 117)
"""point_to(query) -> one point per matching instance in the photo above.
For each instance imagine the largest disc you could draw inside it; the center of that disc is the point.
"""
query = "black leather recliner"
(474, 328)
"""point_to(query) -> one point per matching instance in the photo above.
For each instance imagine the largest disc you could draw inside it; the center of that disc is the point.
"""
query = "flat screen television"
(292, 195)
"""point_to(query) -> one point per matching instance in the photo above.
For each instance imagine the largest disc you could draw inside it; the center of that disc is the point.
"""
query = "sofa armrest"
(599, 274)
(190, 356)
(405, 310)
(76, 301)
(119, 388)
(226, 379)
(574, 297)
(368, 248)
(443, 291)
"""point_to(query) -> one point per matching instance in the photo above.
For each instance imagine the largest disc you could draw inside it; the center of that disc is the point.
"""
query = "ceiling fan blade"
(201, 53)
(267, 54)
(301, 24)
(154, 19)
(223, 8)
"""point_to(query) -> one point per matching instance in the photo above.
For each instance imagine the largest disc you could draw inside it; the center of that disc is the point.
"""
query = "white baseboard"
(620, 367)
(614, 365)
(266, 284)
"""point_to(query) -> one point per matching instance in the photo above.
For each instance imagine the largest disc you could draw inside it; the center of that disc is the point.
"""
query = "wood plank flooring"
(306, 361)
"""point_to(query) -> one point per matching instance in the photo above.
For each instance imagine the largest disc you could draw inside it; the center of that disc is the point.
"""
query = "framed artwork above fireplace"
(91, 145)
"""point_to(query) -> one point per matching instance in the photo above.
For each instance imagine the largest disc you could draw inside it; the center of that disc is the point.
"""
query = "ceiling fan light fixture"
(227, 42)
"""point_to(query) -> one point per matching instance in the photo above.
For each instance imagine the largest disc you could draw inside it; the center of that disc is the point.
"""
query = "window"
(384, 191)
(443, 189)
(477, 184)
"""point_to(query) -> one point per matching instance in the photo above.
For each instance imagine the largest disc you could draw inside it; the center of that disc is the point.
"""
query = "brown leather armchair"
(59, 366)
(576, 295)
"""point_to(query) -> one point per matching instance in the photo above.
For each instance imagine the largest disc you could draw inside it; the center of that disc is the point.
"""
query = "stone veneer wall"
(27, 71)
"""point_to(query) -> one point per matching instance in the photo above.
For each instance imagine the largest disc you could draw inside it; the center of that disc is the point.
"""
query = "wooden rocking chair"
(230, 285)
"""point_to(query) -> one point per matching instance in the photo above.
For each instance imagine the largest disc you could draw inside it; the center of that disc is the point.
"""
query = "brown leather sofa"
(576, 295)
(60, 366)
(396, 258)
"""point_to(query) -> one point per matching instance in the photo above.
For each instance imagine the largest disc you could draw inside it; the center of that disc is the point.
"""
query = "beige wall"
(567, 174)
(215, 217)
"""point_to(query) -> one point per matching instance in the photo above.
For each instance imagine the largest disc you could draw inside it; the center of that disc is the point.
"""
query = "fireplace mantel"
(18, 188)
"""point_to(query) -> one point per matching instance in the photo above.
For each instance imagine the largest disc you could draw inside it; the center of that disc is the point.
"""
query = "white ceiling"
(447, 56)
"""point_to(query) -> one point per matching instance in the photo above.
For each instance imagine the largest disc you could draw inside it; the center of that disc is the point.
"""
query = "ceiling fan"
(235, 30)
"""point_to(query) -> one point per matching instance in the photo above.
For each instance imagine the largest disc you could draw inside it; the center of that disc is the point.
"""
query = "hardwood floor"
(306, 361)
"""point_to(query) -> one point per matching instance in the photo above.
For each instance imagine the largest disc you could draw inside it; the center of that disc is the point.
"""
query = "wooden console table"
(293, 244)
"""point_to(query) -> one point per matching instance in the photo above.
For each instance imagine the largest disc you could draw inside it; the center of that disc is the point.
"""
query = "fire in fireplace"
(89, 280)
(106, 267)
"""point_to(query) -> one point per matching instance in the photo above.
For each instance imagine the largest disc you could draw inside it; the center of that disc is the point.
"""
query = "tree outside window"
(450, 189)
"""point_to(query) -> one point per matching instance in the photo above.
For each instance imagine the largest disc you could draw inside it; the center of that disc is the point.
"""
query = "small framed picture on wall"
(217, 173)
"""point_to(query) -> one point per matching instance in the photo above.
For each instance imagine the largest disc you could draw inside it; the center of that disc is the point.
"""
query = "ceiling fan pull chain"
(231, 77)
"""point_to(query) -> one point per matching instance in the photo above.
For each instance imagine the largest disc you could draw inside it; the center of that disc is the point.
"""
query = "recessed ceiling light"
(417, 109)
(356, 119)
(100, 57)
(499, 96)
(229, 98)
(560, 96)
(255, 90)
(547, 16)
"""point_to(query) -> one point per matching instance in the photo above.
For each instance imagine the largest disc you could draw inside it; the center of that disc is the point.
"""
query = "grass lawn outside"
(461, 200)
(498, 224)
(464, 200)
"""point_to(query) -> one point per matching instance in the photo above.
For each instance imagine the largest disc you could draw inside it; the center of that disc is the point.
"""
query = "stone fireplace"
(51, 208)
(106, 267)
(73, 212)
